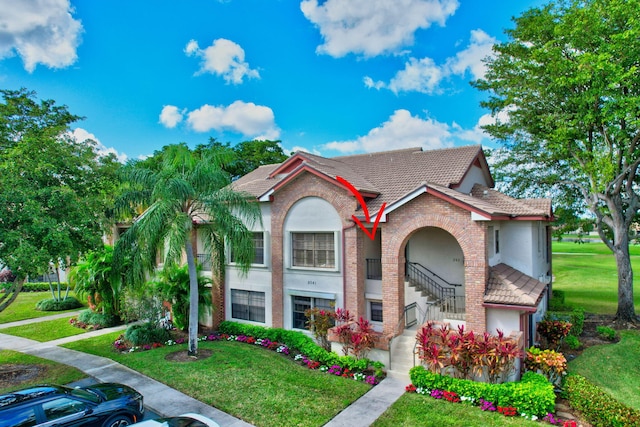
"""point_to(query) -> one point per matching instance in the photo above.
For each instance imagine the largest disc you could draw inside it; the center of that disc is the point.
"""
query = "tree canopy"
(54, 190)
(183, 192)
(565, 93)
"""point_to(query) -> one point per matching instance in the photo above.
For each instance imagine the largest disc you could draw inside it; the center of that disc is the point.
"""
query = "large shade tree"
(183, 191)
(54, 190)
(565, 92)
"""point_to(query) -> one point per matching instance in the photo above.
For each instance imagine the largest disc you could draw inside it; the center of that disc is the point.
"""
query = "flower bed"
(359, 370)
(532, 397)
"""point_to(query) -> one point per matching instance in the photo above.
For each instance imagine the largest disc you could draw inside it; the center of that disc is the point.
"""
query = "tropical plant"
(172, 284)
(319, 321)
(95, 278)
(184, 191)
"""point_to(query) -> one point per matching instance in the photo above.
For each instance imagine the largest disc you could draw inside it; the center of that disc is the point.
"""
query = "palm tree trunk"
(193, 300)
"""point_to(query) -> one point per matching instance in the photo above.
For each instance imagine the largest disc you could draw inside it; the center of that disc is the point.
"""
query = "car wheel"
(117, 421)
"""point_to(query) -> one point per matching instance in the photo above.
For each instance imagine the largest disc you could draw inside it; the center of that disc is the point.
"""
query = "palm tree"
(182, 190)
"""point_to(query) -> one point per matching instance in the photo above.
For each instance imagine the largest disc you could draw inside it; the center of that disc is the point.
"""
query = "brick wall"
(309, 185)
(430, 211)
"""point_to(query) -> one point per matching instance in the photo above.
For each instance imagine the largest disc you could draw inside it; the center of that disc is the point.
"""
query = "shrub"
(297, 342)
(597, 406)
(556, 303)
(469, 354)
(58, 305)
(607, 333)
(319, 322)
(146, 333)
(553, 332)
(532, 395)
(90, 317)
(573, 342)
(577, 321)
(549, 363)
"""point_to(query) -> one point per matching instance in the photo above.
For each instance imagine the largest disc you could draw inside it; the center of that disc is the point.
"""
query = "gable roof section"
(396, 177)
(508, 286)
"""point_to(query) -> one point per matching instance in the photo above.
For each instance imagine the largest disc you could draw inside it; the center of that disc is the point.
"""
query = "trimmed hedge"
(297, 342)
(34, 287)
(532, 395)
(146, 333)
(58, 305)
(597, 406)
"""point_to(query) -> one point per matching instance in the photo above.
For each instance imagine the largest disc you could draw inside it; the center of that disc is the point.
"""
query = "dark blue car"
(99, 405)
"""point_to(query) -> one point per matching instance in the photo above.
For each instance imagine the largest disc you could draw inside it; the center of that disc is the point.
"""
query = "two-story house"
(448, 247)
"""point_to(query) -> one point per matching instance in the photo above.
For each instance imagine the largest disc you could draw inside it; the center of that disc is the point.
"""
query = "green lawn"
(613, 367)
(51, 372)
(414, 409)
(587, 274)
(259, 386)
(48, 330)
(24, 307)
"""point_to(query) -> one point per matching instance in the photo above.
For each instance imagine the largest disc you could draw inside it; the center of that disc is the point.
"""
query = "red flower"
(410, 388)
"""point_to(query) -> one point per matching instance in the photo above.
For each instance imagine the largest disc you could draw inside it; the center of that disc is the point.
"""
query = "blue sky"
(332, 77)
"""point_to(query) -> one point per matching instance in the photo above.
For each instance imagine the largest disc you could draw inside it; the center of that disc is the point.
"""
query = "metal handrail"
(427, 284)
(445, 282)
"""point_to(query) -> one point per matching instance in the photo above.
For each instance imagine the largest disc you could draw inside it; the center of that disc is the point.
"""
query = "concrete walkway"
(166, 401)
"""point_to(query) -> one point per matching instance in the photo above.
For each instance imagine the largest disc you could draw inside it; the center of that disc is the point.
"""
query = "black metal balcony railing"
(204, 260)
(374, 269)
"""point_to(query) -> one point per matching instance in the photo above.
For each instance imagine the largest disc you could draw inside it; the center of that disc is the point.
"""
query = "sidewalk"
(166, 401)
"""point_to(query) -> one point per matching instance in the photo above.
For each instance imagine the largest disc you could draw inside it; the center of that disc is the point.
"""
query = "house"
(448, 246)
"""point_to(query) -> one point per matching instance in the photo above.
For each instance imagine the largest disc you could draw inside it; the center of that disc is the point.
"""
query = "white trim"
(266, 251)
(311, 294)
(479, 217)
(266, 196)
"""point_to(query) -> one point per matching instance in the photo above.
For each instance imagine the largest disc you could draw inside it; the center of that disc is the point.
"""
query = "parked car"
(184, 420)
(100, 405)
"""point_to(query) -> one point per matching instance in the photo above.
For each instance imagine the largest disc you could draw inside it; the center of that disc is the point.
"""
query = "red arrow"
(372, 234)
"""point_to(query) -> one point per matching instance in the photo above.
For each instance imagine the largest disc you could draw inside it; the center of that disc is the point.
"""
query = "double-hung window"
(314, 250)
(258, 249)
(301, 304)
(247, 305)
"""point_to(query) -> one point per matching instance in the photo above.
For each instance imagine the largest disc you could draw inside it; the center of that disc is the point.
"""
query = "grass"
(414, 409)
(51, 372)
(24, 307)
(613, 367)
(47, 330)
(259, 386)
(588, 274)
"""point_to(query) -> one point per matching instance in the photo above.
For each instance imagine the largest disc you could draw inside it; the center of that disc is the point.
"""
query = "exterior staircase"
(440, 295)
(402, 348)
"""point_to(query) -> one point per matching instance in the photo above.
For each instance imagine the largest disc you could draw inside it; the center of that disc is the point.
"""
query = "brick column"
(353, 273)
(277, 301)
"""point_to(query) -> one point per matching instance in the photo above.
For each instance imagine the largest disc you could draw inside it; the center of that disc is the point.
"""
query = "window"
(376, 311)
(247, 305)
(315, 250)
(20, 417)
(258, 248)
(497, 241)
(301, 304)
(62, 407)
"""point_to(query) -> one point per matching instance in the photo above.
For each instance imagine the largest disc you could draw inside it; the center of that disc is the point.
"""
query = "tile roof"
(512, 287)
(395, 174)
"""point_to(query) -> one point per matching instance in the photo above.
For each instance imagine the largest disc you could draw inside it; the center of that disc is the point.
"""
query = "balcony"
(204, 260)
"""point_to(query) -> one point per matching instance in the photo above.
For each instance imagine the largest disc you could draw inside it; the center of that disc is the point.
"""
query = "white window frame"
(336, 251)
(265, 250)
(249, 292)
(312, 300)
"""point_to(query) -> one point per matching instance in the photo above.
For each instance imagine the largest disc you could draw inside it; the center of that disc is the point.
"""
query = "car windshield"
(87, 394)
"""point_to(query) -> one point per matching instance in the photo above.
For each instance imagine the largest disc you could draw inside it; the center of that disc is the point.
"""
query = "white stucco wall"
(474, 176)
(523, 247)
(311, 214)
(258, 278)
(505, 320)
(439, 251)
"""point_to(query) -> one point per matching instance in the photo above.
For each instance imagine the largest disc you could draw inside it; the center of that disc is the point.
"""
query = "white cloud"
(373, 27)
(479, 48)
(402, 130)
(40, 32)
(170, 116)
(224, 58)
(247, 118)
(81, 135)
(425, 76)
